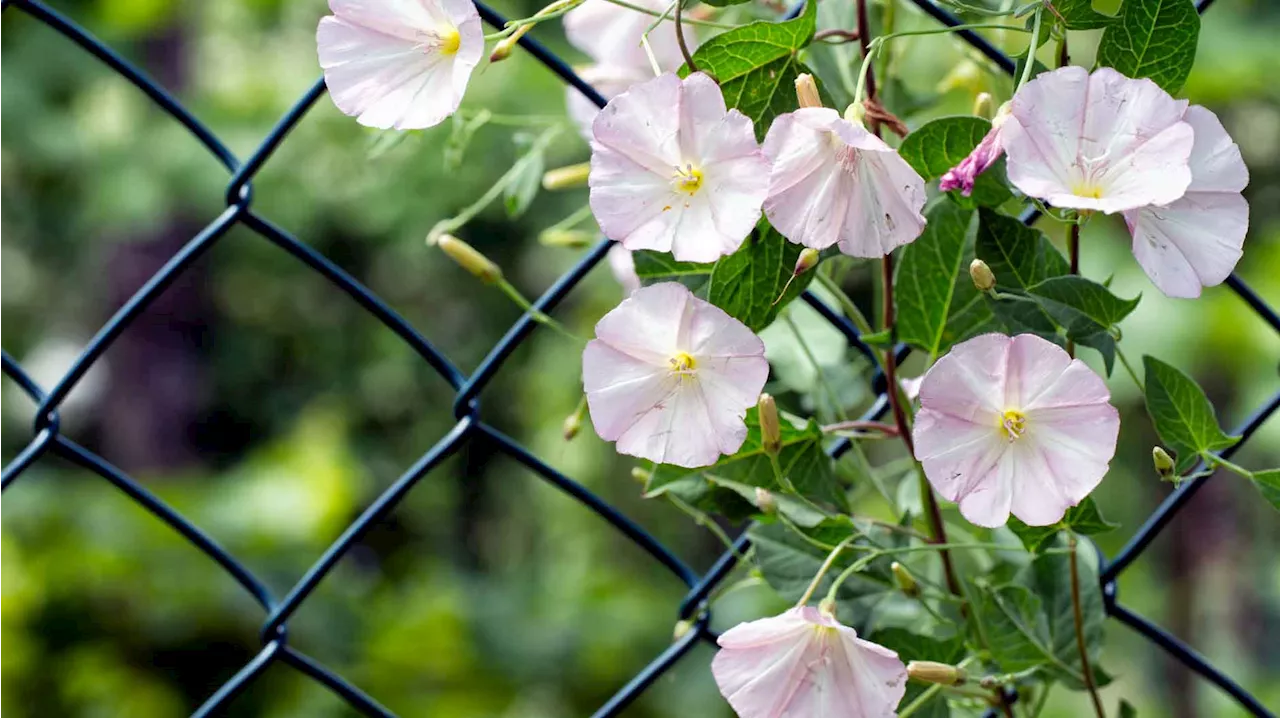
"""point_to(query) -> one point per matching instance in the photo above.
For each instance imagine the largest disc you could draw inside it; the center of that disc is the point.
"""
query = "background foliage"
(262, 403)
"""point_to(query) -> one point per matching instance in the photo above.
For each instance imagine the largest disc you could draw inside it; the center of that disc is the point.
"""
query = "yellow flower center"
(1013, 424)
(1086, 188)
(450, 41)
(443, 39)
(683, 364)
(687, 180)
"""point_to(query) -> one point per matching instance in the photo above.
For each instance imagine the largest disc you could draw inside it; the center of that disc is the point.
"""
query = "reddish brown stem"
(880, 426)
(864, 39)
(844, 35)
(936, 526)
(1079, 621)
(1073, 254)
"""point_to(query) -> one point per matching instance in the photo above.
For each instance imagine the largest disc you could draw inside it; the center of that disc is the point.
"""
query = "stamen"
(687, 180)
(683, 364)
(1013, 423)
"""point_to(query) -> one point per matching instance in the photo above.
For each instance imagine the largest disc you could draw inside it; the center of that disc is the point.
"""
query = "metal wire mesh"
(49, 440)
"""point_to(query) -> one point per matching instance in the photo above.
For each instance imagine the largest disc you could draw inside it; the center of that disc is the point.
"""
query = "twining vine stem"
(936, 526)
(1079, 618)
(684, 47)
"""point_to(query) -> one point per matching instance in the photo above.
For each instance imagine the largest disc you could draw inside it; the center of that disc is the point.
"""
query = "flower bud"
(572, 425)
(933, 672)
(681, 630)
(574, 238)
(807, 91)
(770, 433)
(982, 277)
(469, 259)
(906, 582)
(765, 501)
(502, 50)
(640, 475)
(566, 177)
(982, 105)
(1164, 463)
(807, 260)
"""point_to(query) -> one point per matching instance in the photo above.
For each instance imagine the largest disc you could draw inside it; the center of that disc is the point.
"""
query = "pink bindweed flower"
(1196, 240)
(402, 65)
(833, 181)
(804, 663)
(1014, 424)
(670, 377)
(1097, 142)
(988, 151)
(611, 34)
(673, 170)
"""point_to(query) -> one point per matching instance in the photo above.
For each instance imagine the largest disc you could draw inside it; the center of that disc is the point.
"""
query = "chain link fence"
(470, 426)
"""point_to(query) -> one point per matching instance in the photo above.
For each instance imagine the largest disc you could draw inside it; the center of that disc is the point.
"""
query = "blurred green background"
(267, 407)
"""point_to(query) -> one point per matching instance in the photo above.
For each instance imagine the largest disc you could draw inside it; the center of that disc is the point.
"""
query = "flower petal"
(1193, 242)
(380, 63)
(969, 381)
(833, 181)
(1097, 142)
(650, 135)
(1197, 240)
(803, 663)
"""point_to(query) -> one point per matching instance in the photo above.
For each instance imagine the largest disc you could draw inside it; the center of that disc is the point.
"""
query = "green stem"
(706, 522)
(654, 13)
(822, 571)
(1214, 459)
(783, 480)
(535, 314)
(450, 225)
(850, 309)
(830, 393)
(1129, 368)
(583, 212)
(1043, 700)
(550, 12)
(1031, 50)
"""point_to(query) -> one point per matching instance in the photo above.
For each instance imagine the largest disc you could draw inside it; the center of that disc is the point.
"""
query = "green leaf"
(915, 647)
(1268, 483)
(1014, 627)
(1049, 576)
(522, 182)
(789, 562)
(746, 284)
(1153, 38)
(1084, 519)
(1182, 415)
(1086, 311)
(1019, 256)
(653, 267)
(455, 148)
(1080, 15)
(723, 3)
(1082, 306)
(1127, 710)
(941, 144)
(802, 459)
(757, 64)
(928, 274)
